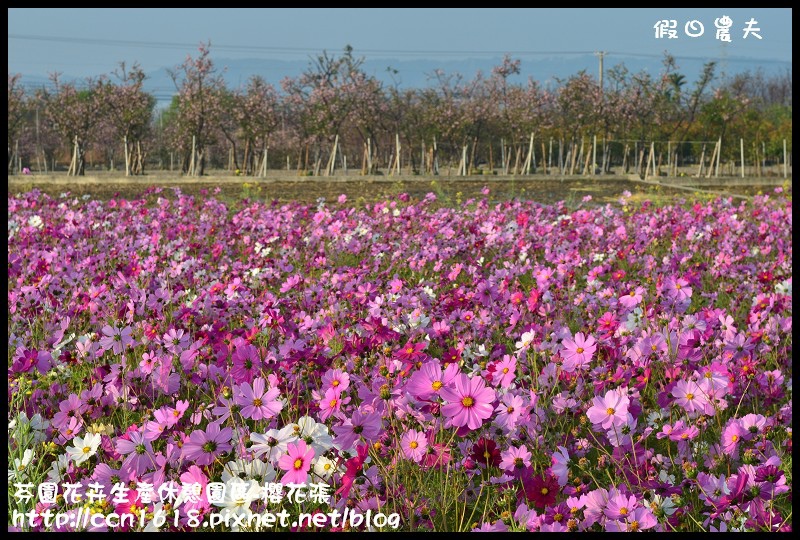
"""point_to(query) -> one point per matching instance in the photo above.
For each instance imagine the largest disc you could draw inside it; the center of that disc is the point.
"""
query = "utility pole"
(600, 55)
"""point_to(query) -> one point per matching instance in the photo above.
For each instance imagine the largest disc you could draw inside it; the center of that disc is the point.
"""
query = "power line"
(307, 50)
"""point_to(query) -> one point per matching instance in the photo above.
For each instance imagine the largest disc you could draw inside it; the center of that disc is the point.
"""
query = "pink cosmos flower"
(638, 520)
(504, 371)
(430, 379)
(677, 289)
(414, 444)
(509, 411)
(330, 403)
(610, 410)
(337, 379)
(633, 297)
(203, 447)
(577, 352)
(470, 402)
(732, 437)
(139, 451)
(560, 466)
(175, 340)
(190, 497)
(257, 402)
(366, 425)
(296, 461)
(690, 396)
(515, 459)
(116, 339)
(246, 361)
(412, 352)
(619, 506)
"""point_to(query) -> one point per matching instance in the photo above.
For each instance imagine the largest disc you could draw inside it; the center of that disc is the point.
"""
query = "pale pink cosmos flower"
(257, 402)
(560, 466)
(515, 459)
(633, 297)
(619, 506)
(610, 410)
(469, 403)
(678, 289)
(414, 445)
(690, 396)
(577, 352)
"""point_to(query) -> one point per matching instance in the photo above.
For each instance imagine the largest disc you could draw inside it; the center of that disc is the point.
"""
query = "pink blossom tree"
(75, 114)
(130, 112)
(198, 108)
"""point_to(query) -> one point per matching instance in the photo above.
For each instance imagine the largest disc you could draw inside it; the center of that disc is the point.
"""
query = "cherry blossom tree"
(75, 114)
(198, 108)
(130, 113)
(17, 110)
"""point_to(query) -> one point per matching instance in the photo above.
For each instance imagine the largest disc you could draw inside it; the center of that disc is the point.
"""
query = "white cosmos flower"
(324, 467)
(20, 465)
(274, 442)
(84, 447)
(314, 434)
(525, 340)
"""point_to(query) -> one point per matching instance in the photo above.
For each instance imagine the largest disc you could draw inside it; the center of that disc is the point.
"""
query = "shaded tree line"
(334, 116)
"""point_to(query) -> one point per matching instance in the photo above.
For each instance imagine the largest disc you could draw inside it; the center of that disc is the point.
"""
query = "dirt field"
(285, 187)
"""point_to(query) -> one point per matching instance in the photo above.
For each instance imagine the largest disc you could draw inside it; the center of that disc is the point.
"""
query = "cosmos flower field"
(484, 366)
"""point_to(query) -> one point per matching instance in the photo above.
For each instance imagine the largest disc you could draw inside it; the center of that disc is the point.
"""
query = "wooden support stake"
(702, 159)
(741, 150)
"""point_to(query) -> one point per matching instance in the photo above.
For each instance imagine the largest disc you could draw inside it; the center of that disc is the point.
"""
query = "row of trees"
(334, 114)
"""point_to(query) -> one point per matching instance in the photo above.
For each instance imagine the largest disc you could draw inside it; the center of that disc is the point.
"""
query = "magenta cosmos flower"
(203, 447)
(470, 402)
(296, 462)
(257, 402)
(578, 351)
(611, 410)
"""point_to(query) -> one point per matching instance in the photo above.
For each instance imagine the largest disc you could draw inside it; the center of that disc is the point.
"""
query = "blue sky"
(89, 42)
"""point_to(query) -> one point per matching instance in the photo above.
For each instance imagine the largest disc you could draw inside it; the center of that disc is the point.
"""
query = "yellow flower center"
(544, 491)
(86, 449)
(333, 403)
(505, 370)
(689, 396)
(467, 401)
(436, 385)
(257, 402)
(409, 350)
(610, 411)
(579, 350)
(413, 444)
(327, 466)
(633, 526)
(623, 511)
(678, 286)
(176, 414)
(335, 383)
(298, 464)
(486, 454)
(510, 410)
(735, 438)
